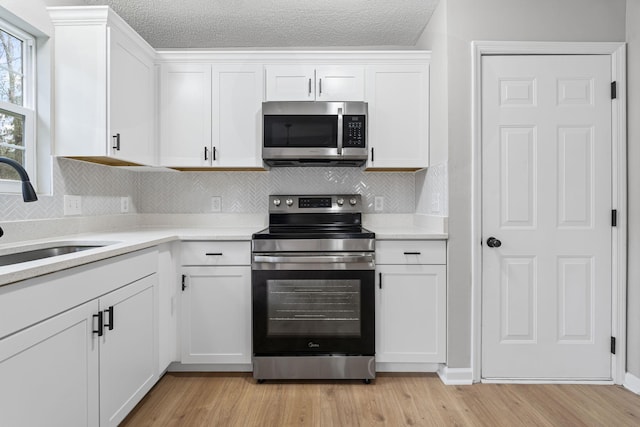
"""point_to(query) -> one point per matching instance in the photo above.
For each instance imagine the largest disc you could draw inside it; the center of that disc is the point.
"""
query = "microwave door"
(300, 136)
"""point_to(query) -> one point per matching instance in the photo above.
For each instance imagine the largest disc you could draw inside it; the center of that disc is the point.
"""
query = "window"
(17, 109)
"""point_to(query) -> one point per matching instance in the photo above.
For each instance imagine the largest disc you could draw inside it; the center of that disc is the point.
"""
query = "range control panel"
(319, 203)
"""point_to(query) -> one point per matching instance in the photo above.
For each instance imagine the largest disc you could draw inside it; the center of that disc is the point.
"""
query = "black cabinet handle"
(380, 280)
(116, 142)
(213, 254)
(100, 330)
(372, 155)
(214, 154)
(413, 253)
(110, 324)
(206, 151)
(184, 284)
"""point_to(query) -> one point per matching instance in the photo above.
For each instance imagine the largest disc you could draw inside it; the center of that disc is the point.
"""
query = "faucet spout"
(28, 193)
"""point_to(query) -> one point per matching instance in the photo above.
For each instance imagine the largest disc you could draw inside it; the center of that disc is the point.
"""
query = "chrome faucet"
(28, 193)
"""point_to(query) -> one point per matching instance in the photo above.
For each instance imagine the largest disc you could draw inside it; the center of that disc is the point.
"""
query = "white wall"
(633, 153)
(468, 20)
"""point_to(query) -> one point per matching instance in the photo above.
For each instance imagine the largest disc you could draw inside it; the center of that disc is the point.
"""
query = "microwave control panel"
(354, 132)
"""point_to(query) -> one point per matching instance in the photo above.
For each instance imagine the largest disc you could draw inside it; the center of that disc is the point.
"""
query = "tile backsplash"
(102, 187)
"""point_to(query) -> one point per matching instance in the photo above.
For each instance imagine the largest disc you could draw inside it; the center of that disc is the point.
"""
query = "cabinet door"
(290, 83)
(131, 100)
(216, 310)
(185, 115)
(128, 348)
(340, 83)
(398, 128)
(411, 314)
(237, 115)
(49, 372)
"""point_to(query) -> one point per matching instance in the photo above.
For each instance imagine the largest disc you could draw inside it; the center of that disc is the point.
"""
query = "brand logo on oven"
(313, 344)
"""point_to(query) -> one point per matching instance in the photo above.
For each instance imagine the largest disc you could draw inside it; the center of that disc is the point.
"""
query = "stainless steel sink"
(34, 254)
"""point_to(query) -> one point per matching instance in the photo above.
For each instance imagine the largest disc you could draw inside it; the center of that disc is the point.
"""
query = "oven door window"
(300, 131)
(313, 312)
(313, 308)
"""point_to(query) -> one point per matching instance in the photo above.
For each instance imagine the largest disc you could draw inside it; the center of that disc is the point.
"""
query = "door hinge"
(184, 278)
(614, 90)
(613, 345)
(614, 217)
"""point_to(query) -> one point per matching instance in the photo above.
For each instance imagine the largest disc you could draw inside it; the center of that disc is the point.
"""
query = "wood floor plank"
(234, 399)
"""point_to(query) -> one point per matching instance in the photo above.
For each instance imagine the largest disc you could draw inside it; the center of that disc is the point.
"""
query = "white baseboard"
(632, 383)
(406, 367)
(455, 376)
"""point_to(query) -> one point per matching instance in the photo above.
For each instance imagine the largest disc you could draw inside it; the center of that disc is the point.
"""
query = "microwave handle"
(340, 131)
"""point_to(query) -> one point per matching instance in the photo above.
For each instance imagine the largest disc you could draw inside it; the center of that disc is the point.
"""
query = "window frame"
(28, 109)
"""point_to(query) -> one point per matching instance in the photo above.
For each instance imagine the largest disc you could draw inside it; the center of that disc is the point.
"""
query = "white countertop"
(116, 243)
(132, 238)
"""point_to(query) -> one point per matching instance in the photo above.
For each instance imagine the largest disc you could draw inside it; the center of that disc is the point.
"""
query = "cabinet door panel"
(217, 315)
(49, 372)
(290, 83)
(398, 98)
(128, 352)
(340, 83)
(185, 115)
(131, 101)
(410, 315)
(237, 115)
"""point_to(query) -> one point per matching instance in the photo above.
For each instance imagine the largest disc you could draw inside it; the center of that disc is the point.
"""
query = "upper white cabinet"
(104, 88)
(210, 115)
(314, 83)
(398, 128)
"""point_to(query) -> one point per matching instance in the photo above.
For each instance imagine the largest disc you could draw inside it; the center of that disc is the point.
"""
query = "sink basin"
(34, 254)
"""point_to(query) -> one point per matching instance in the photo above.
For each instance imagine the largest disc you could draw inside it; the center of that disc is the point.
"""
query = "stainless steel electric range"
(313, 290)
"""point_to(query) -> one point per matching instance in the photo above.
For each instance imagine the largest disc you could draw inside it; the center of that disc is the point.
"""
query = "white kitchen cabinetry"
(57, 357)
(314, 83)
(398, 119)
(216, 304)
(50, 372)
(128, 349)
(104, 88)
(210, 115)
(410, 304)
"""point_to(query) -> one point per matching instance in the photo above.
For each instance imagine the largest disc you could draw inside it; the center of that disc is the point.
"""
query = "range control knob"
(353, 201)
(276, 202)
(340, 202)
(289, 202)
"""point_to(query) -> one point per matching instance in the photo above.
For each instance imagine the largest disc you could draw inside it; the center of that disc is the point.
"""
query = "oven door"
(313, 311)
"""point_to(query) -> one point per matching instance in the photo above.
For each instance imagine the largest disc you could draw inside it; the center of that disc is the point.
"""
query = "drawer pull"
(213, 254)
(413, 253)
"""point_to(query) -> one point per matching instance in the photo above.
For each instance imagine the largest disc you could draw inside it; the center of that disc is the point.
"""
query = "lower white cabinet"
(128, 349)
(90, 363)
(49, 372)
(216, 304)
(410, 305)
(216, 315)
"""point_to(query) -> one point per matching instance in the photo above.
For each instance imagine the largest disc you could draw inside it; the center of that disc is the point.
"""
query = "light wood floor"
(233, 399)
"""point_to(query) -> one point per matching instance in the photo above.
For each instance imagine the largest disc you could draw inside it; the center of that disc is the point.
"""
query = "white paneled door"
(546, 225)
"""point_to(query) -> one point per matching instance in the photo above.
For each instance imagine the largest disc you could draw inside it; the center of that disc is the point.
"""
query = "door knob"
(492, 242)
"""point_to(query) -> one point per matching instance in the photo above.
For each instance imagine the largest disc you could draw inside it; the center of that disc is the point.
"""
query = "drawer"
(411, 252)
(216, 253)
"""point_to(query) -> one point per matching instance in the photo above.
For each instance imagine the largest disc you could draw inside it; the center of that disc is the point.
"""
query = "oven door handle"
(313, 259)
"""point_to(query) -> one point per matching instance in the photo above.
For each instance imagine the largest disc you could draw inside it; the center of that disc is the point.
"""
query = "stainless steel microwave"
(303, 133)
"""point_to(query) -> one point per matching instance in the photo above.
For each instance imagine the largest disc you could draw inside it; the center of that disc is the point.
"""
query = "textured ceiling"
(272, 23)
